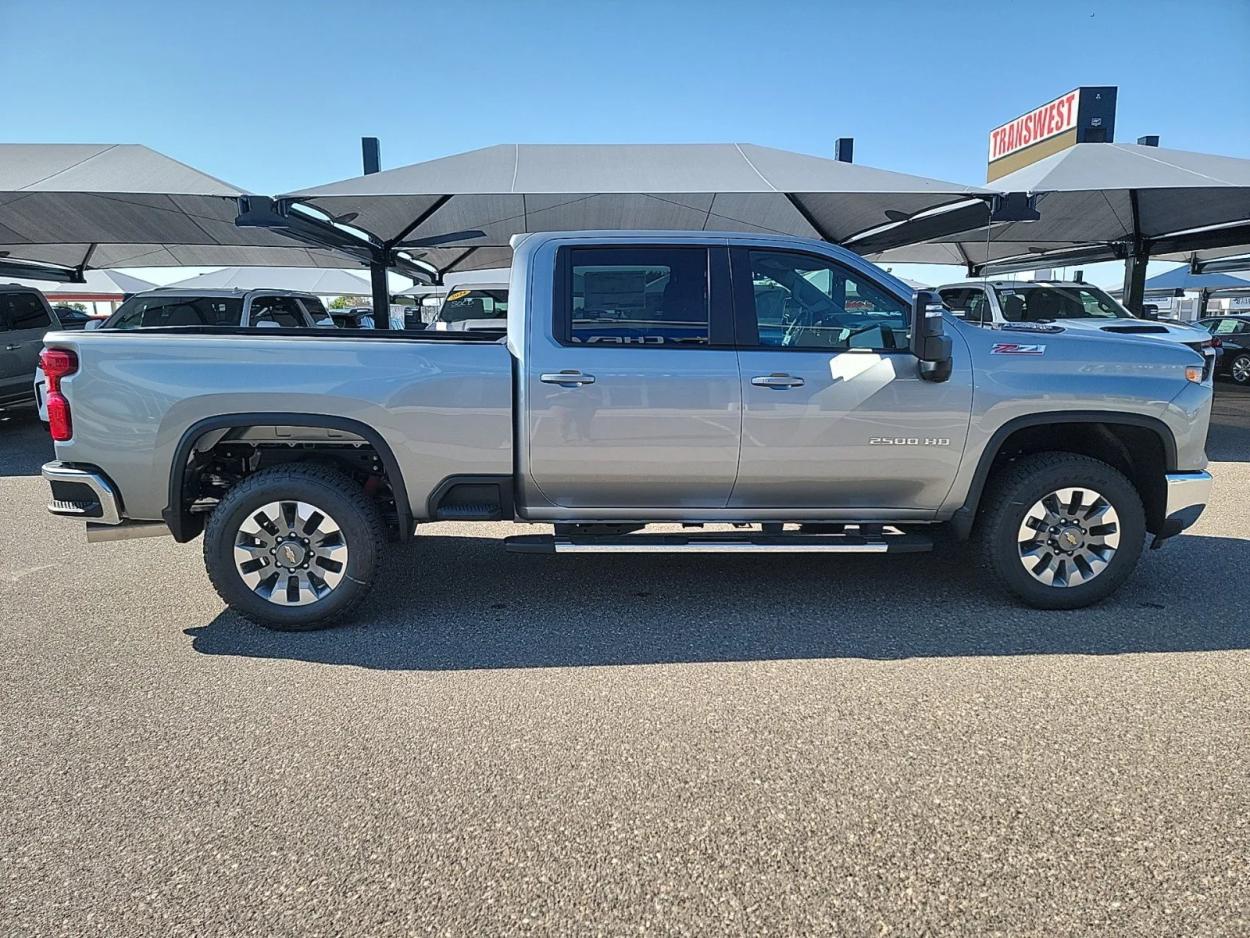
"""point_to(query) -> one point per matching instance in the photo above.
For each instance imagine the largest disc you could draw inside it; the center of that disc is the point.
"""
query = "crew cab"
(755, 392)
(1073, 305)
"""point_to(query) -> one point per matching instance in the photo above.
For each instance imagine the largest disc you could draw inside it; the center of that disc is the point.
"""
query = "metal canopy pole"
(1134, 295)
(371, 157)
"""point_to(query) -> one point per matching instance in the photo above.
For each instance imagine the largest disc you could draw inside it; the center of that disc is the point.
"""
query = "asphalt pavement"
(623, 744)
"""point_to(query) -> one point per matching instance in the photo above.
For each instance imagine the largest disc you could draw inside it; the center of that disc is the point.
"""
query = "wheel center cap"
(291, 554)
(1070, 539)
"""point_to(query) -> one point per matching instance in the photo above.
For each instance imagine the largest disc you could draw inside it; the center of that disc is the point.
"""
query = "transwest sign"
(1084, 115)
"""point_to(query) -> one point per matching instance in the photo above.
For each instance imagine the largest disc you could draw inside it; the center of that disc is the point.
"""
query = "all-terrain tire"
(1011, 494)
(329, 491)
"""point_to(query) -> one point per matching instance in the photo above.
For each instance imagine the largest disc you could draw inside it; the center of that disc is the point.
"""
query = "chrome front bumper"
(1187, 494)
(82, 493)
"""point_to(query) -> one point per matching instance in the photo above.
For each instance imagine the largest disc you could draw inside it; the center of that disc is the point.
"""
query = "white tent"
(303, 279)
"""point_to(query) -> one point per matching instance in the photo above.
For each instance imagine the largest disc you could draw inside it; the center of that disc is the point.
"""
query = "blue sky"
(275, 95)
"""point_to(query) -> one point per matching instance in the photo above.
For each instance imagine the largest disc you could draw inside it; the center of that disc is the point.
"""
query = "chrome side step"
(747, 542)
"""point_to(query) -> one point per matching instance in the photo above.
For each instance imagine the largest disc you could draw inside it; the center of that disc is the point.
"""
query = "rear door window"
(25, 311)
(637, 297)
(280, 311)
(316, 311)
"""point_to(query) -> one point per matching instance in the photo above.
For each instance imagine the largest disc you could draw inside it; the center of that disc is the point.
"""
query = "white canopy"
(303, 279)
(103, 284)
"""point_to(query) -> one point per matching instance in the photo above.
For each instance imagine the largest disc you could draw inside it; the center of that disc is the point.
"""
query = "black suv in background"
(24, 318)
(1233, 333)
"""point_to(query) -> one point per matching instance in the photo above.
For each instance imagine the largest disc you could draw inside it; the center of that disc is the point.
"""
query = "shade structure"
(515, 188)
(303, 279)
(1103, 201)
(82, 206)
(97, 286)
(1182, 278)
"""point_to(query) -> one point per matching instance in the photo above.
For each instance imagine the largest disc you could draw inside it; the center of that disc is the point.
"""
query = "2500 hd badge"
(909, 441)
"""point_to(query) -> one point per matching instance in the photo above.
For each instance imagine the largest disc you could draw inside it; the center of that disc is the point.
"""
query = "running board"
(747, 542)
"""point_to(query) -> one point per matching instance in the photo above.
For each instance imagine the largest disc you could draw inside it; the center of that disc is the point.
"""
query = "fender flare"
(185, 527)
(966, 514)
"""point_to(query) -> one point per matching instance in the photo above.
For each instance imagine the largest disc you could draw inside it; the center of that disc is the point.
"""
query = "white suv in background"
(1075, 306)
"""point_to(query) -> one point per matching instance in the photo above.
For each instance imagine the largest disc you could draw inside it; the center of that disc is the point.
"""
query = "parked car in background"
(687, 378)
(24, 318)
(277, 309)
(356, 317)
(1077, 306)
(163, 308)
(71, 318)
(1233, 335)
(473, 307)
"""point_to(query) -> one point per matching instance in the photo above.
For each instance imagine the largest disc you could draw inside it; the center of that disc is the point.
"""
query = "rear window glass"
(148, 312)
(463, 305)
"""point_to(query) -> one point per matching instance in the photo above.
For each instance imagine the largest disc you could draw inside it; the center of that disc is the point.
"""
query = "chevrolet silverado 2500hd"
(642, 378)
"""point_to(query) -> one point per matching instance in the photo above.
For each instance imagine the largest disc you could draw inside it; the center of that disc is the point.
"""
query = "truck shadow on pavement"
(453, 603)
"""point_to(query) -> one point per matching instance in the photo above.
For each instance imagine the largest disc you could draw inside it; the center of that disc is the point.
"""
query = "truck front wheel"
(1061, 531)
(293, 547)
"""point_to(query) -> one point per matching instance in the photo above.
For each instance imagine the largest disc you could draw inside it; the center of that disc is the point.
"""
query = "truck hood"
(1165, 331)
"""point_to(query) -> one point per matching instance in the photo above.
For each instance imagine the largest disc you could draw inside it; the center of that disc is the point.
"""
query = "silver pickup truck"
(752, 392)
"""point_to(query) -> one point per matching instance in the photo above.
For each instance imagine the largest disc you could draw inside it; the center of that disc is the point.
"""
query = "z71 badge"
(1014, 348)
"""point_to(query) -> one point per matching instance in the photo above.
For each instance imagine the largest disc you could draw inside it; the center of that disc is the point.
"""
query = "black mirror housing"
(929, 342)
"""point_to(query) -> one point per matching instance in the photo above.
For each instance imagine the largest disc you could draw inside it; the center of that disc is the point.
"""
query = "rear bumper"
(1187, 494)
(82, 492)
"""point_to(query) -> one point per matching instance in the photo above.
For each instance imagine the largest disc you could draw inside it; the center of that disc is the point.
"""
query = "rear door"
(633, 397)
(835, 414)
(24, 320)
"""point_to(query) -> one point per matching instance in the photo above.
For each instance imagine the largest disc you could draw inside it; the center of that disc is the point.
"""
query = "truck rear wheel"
(293, 547)
(1061, 531)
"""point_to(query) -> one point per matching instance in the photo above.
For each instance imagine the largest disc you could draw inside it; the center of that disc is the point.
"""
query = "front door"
(633, 398)
(835, 415)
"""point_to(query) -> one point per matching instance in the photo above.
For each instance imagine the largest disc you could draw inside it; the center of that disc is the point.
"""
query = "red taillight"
(1215, 343)
(59, 423)
(58, 363)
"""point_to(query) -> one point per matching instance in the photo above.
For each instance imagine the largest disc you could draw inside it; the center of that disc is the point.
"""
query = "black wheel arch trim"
(185, 526)
(965, 515)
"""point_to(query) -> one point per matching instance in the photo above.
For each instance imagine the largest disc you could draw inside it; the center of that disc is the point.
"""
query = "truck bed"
(441, 402)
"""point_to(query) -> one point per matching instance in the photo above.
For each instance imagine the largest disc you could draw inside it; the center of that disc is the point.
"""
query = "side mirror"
(93, 324)
(929, 343)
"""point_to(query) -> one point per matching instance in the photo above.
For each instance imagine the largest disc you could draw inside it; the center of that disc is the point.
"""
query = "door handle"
(12, 348)
(567, 379)
(778, 381)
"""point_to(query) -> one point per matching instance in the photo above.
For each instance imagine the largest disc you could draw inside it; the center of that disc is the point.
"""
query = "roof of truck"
(187, 291)
(1016, 284)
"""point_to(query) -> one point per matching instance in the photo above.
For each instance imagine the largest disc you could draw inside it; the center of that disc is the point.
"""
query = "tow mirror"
(929, 343)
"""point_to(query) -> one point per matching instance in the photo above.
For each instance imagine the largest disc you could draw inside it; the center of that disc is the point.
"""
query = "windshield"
(474, 304)
(145, 312)
(1046, 302)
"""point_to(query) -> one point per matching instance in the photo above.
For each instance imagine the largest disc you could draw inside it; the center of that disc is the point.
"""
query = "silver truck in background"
(645, 377)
